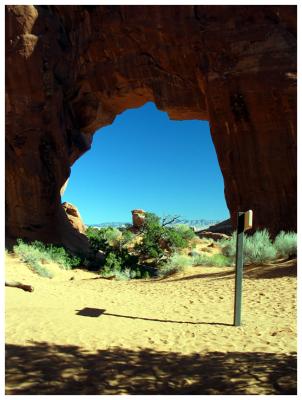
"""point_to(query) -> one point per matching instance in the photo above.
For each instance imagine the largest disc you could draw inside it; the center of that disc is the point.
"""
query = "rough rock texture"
(224, 227)
(138, 218)
(212, 235)
(72, 69)
(74, 217)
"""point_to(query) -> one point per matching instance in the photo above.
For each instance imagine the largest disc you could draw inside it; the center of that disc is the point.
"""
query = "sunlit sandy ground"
(168, 336)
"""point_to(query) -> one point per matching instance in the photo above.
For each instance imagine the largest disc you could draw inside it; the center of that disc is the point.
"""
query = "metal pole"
(239, 269)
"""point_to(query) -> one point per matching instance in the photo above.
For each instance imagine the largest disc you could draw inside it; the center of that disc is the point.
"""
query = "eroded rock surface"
(138, 218)
(224, 227)
(74, 217)
(71, 69)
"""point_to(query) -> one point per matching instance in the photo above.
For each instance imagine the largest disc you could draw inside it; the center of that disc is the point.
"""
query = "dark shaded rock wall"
(71, 69)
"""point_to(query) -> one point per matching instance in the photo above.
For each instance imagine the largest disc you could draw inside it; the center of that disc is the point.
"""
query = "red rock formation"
(72, 69)
(74, 217)
(138, 218)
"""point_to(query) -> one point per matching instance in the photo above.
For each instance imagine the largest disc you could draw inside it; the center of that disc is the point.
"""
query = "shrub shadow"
(254, 271)
(42, 368)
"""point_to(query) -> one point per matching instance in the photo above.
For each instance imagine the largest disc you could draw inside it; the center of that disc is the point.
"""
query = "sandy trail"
(169, 336)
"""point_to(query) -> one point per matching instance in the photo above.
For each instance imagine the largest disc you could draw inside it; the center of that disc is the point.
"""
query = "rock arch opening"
(232, 65)
(145, 160)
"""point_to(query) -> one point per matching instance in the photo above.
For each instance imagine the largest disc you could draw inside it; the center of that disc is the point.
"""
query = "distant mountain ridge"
(197, 223)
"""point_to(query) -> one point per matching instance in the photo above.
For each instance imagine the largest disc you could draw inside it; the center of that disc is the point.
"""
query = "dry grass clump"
(36, 253)
(260, 248)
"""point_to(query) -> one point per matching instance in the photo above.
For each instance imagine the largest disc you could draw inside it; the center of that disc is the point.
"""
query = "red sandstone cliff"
(72, 69)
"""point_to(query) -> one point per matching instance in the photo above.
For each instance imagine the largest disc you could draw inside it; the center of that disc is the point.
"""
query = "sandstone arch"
(71, 69)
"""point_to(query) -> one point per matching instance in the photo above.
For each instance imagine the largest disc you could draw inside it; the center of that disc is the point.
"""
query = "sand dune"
(81, 335)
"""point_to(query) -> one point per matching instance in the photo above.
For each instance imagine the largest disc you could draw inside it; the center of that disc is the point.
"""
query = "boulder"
(222, 227)
(211, 235)
(74, 217)
(138, 218)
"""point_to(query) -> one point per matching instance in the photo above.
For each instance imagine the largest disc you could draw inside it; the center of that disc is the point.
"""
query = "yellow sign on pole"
(248, 220)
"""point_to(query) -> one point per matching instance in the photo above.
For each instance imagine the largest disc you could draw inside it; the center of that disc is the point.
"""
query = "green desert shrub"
(113, 263)
(114, 266)
(176, 263)
(150, 247)
(57, 255)
(228, 246)
(118, 275)
(134, 274)
(120, 260)
(160, 241)
(36, 267)
(185, 231)
(145, 274)
(113, 236)
(32, 257)
(128, 273)
(127, 237)
(257, 248)
(286, 244)
(107, 239)
(99, 238)
(215, 260)
(35, 253)
(176, 238)
(123, 275)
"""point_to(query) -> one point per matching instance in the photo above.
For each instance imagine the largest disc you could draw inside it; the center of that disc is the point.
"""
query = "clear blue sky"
(144, 160)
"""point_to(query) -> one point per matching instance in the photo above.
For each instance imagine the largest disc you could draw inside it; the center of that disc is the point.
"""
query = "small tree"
(160, 241)
(97, 238)
(152, 233)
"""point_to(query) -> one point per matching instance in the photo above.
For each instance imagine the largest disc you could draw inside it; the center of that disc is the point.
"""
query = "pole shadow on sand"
(96, 312)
